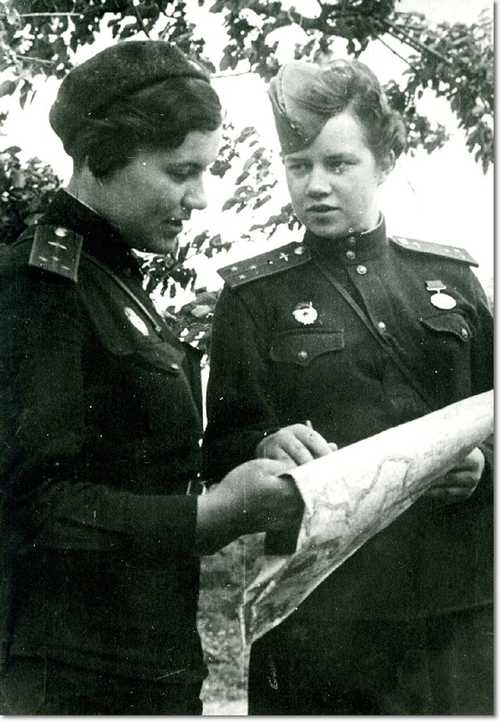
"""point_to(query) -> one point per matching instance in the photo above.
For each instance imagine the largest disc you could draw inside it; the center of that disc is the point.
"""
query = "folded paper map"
(354, 493)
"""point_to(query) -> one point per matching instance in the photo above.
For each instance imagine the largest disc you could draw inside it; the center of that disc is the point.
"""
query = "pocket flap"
(301, 348)
(453, 323)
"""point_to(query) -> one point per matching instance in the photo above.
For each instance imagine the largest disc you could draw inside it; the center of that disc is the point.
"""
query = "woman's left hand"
(460, 483)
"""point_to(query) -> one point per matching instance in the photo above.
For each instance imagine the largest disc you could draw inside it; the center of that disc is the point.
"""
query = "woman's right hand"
(299, 443)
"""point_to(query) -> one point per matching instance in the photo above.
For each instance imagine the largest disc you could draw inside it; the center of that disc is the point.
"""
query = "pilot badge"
(137, 321)
(440, 300)
(305, 313)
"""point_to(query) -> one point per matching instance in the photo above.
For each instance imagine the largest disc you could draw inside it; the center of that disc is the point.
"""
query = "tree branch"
(401, 57)
(50, 15)
(415, 44)
(138, 15)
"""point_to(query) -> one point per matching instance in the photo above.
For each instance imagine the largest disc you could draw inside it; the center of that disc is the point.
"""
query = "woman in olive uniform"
(357, 331)
(100, 419)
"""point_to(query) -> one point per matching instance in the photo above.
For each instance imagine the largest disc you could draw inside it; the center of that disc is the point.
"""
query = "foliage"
(25, 191)
(454, 61)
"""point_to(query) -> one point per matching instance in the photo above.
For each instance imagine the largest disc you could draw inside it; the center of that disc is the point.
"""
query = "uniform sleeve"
(482, 377)
(240, 409)
(53, 493)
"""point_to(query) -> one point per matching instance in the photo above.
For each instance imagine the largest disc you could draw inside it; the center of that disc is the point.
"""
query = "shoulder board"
(445, 251)
(57, 250)
(261, 266)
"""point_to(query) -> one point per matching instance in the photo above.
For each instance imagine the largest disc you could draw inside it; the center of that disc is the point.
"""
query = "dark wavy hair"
(157, 117)
(350, 84)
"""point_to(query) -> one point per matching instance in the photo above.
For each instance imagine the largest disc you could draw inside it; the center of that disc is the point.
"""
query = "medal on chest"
(440, 300)
(305, 313)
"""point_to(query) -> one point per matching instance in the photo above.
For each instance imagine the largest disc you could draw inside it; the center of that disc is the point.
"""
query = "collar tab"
(56, 249)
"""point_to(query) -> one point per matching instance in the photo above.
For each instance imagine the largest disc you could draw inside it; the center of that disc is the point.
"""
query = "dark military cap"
(114, 73)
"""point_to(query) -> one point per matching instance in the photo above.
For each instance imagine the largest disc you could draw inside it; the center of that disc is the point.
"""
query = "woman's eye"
(299, 168)
(339, 167)
(181, 173)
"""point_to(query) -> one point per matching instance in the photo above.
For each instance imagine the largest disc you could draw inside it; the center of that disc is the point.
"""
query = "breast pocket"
(449, 327)
(447, 342)
(303, 347)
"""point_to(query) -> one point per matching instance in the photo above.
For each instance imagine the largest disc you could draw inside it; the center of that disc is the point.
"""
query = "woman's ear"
(386, 165)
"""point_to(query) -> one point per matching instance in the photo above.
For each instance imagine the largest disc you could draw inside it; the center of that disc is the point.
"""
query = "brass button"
(175, 366)
(361, 270)
(61, 232)
(299, 250)
(465, 333)
(350, 255)
(381, 326)
(302, 355)
(242, 276)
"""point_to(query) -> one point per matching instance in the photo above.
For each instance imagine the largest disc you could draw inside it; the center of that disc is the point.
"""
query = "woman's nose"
(318, 183)
(195, 197)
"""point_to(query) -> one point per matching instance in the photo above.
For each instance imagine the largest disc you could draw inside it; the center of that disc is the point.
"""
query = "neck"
(81, 187)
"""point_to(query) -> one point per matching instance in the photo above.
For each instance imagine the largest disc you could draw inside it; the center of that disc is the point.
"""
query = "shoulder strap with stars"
(261, 266)
(56, 249)
(444, 251)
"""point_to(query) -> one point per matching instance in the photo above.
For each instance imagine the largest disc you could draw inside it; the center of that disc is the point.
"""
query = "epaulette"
(444, 251)
(261, 266)
(56, 249)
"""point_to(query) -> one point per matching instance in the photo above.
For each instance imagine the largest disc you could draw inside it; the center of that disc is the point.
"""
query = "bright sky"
(443, 197)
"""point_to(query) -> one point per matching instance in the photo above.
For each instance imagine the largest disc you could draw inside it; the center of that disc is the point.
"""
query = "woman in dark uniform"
(357, 331)
(100, 420)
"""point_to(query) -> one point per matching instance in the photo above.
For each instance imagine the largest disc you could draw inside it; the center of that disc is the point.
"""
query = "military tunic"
(287, 348)
(100, 431)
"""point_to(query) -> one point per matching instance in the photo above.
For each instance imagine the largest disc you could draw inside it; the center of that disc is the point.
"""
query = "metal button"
(242, 276)
(350, 255)
(302, 355)
(175, 366)
(234, 268)
(61, 232)
(465, 333)
(381, 326)
(299, 250)
(361, 270)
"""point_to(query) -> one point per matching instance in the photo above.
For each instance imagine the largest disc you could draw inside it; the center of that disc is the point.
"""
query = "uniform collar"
(351, 249)
(100, 238)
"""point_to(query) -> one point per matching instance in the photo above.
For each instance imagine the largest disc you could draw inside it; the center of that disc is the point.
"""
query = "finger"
(457, 479)
(296, 450)
(312, 440)
(451, 494)
(274, 451)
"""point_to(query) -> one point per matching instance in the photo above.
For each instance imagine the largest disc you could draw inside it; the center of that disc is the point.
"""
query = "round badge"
(305, 313)
(443, 301)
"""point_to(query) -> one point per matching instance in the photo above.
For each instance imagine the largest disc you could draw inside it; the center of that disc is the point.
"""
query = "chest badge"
(137, 321)
(305, 313)
(440, 300)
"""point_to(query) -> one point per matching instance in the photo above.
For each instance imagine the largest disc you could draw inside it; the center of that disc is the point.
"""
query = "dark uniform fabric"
(288, 348)
(100, 429)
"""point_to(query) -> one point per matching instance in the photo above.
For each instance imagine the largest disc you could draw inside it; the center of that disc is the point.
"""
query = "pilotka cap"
(302, 101)
(114, 73)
